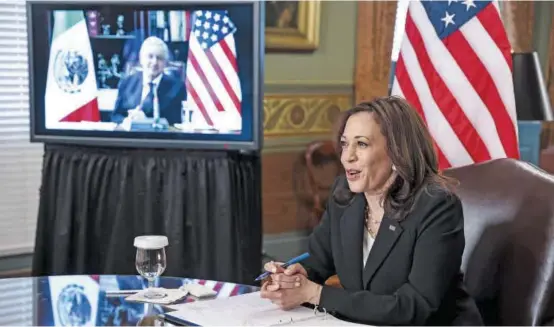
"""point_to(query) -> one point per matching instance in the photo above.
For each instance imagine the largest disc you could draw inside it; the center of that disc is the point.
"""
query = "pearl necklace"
(368, 218)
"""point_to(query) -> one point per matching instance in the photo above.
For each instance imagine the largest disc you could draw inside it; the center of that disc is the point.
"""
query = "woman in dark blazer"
(393, 230)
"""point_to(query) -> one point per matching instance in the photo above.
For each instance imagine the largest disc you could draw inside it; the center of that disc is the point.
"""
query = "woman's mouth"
(352, 174)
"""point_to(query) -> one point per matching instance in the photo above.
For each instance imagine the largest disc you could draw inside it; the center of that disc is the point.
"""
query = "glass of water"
(188, 113)
(151, 261)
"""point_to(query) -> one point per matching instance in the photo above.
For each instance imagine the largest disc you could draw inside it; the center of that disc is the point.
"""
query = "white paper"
(172, 295)
(248, 310)
(199, 291)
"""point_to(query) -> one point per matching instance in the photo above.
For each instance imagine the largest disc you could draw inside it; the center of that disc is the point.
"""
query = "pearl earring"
(393, 168)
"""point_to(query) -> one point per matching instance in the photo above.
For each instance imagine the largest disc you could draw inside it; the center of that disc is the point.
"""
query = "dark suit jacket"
(171, 92)
(412, 275)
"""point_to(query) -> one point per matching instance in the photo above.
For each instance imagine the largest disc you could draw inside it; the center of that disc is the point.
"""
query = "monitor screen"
(155, 74)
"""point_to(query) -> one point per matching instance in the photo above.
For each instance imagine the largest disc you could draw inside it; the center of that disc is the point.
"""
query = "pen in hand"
(285, 265)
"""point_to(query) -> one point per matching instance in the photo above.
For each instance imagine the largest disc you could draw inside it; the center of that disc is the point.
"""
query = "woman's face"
(364, 154)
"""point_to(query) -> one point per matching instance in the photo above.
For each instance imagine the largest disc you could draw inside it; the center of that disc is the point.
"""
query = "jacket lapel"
(137, 89)
(163, 89)
(352, 228)
(388, 234)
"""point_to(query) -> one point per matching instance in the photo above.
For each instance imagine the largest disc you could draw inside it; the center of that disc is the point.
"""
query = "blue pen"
(285, 265)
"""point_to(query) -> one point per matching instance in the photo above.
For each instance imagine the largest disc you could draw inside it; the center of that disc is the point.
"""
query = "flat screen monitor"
(165, 74)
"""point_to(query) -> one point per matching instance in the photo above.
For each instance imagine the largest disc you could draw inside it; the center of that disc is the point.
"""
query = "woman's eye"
(343, 144)
(362, 144)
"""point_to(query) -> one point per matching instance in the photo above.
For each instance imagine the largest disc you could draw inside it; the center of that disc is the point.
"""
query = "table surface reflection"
(81, 300)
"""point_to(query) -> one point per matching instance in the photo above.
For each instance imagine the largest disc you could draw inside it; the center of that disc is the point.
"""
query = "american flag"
(455, 68)
(213, 85)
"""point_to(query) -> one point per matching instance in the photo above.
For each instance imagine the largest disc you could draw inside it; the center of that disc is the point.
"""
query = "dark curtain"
(94, 201)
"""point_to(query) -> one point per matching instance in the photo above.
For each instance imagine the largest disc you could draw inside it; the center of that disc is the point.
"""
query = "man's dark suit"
(412, 275)
(171, 92)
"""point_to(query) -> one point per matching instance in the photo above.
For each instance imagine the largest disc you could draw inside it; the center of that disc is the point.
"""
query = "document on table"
(249, 310)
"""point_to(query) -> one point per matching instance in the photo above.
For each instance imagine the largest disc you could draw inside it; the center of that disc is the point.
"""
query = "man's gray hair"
(155, 42)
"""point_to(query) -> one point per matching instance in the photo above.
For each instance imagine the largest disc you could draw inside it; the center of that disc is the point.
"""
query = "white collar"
(156, 80)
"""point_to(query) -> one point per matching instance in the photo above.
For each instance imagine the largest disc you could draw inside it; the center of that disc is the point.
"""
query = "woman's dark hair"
(410, 148)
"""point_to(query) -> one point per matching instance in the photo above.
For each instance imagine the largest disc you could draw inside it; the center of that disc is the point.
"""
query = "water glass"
(187, 113)
(151, 261)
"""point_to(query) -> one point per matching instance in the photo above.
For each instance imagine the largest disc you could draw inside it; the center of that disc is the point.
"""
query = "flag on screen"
(213, 85)
(71, 90)
(74, 300)
(455, 68)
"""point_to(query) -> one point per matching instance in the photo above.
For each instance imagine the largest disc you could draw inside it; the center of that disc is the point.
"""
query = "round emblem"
(73, 306)
(70, 70)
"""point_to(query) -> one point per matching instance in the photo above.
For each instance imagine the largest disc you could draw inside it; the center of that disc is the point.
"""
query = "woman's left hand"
(290, 298)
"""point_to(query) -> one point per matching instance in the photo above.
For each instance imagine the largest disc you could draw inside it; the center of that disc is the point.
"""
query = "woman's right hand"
(274, 267)
(284, 278)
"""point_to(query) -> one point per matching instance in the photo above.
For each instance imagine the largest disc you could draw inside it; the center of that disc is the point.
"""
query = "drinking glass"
(151, 261)
(187, 114)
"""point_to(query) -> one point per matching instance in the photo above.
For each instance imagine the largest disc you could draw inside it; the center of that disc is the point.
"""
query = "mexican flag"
(74, 300)
(71, 91)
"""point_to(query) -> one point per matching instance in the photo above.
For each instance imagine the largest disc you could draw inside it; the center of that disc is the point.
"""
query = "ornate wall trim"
(294, 115)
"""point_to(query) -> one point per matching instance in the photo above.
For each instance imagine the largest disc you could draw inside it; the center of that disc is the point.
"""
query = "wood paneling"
(283, 209)
(375, 31)
(550, 70)
(547, 134)
(547, 146)
(547, 160)
(286, 198)
(518, 18)
(294, 120)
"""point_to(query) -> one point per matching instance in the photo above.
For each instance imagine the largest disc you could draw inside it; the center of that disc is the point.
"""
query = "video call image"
(159, 70)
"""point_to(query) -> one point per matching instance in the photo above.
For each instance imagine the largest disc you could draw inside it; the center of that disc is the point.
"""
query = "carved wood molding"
(547, 135)
(375, 30)
(550, 67)
(518, 18)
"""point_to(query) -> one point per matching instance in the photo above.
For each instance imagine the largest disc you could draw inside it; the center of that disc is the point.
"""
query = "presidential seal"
(70, 70)
(73, 306)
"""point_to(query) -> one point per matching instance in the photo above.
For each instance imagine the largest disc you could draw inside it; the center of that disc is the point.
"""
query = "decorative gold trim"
(287, 115)
(304, 37)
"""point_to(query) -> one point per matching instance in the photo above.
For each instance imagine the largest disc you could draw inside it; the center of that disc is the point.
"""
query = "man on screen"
(138, 92)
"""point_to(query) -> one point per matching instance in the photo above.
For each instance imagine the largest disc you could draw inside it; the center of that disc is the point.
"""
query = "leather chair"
(313, 154)
(318, 154)
(509, 228)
